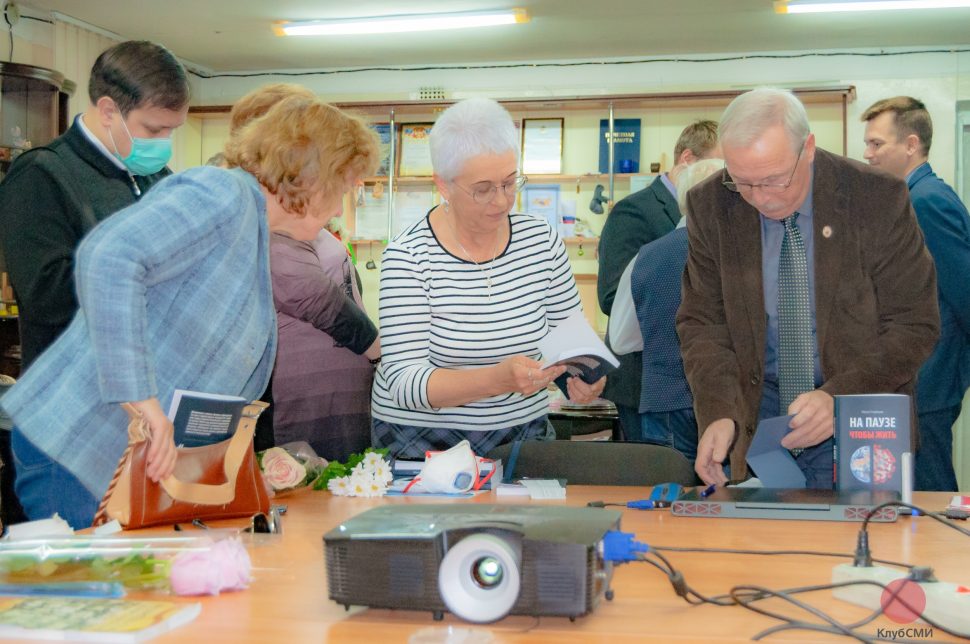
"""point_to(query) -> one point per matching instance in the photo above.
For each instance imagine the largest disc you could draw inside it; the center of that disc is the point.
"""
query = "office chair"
(597, 463)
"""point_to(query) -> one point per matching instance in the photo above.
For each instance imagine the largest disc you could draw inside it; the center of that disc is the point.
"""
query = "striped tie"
(796, 373)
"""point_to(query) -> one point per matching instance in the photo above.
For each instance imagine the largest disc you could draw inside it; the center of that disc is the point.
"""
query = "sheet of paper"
(772, 463)
(544, 488)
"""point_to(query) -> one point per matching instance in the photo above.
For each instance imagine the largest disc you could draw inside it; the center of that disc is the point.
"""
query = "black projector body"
(481, 562)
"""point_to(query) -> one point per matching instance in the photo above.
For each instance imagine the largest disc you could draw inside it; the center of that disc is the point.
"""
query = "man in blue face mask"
(112, 154)
(54, 195)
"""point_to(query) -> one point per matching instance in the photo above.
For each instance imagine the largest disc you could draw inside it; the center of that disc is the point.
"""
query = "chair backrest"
(599, 462)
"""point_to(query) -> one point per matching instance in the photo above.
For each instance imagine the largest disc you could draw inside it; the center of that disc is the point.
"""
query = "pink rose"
(281, 470)
(224, 566)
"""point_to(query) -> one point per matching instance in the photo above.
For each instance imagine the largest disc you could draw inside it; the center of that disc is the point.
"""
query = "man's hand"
(812, 424)
(712, 451)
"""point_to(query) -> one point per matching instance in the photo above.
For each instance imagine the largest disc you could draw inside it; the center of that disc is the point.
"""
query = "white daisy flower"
(359, 483)
(382, 472)
(340, 486)
(376, 488)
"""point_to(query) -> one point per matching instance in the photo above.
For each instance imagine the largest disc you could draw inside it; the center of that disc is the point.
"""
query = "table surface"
(288, 601)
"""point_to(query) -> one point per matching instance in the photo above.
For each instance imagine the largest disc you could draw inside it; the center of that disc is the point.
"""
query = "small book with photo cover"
(574, 344)
(202, 418)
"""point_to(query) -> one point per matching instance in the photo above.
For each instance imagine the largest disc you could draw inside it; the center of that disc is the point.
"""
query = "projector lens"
(487, 572)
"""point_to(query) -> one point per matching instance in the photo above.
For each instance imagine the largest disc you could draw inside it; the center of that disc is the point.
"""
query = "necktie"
(796, 373)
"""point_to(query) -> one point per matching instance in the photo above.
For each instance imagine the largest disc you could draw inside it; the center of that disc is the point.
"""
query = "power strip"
(946, 604)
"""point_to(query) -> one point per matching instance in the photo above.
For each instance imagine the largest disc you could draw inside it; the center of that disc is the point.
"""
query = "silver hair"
(752, 113)
(467, 129)
(692, 175)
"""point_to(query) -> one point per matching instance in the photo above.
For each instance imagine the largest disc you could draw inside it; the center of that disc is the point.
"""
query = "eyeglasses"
(484, 191)
(774, 188)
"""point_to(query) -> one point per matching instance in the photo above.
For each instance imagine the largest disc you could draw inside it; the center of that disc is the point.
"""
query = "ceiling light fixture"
(823, 6)
(401, 23)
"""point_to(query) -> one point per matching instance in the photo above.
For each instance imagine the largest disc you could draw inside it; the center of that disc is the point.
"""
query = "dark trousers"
(629, 421)
(676, 429)
(10, 510)
(933, 466)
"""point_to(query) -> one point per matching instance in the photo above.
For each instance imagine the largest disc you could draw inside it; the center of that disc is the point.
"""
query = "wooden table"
(288, 602)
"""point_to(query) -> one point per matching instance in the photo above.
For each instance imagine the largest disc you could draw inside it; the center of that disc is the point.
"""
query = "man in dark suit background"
(898, 136)
(636, 220)
(871, 318)
(643, 319)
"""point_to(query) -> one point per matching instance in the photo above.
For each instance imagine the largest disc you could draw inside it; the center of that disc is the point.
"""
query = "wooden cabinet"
(33, 111)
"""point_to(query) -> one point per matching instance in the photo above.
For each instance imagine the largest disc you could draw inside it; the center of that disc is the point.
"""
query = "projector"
(480, 562)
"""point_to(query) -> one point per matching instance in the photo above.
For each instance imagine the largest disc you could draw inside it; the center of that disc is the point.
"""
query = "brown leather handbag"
(218, 481)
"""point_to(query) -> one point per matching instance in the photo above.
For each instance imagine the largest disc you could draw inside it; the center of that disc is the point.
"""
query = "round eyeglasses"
(773, 188)
(484, 192)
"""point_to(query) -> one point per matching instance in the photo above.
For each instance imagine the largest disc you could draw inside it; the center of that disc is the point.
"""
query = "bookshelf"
(662, 117)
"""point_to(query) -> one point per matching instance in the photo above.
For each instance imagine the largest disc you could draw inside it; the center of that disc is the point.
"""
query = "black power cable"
(747, 596)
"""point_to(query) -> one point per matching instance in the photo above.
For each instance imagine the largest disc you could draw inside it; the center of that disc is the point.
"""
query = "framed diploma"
(384, 131)
(542, 146)
(415, 150)
(542, 200)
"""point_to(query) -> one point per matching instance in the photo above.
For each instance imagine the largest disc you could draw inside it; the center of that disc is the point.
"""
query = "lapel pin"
(827, 232)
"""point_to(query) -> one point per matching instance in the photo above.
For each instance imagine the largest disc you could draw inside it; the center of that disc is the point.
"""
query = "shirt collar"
(669, 184)
(96, 142)
(913, 171)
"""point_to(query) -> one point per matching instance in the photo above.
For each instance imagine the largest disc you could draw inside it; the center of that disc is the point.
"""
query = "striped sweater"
(436, 313)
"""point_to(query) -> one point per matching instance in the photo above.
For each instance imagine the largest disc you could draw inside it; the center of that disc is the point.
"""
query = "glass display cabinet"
(33, 111)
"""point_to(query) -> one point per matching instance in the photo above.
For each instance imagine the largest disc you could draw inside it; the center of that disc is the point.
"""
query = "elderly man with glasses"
(807, 277)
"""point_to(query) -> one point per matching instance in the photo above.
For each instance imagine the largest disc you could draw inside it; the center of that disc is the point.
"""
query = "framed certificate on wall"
(384, 131)
(415, 150)
(542, 146)
(542, 200)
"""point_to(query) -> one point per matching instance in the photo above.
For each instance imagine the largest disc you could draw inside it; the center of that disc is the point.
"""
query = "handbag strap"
(137, 432)
(239, 445)
(222, 493)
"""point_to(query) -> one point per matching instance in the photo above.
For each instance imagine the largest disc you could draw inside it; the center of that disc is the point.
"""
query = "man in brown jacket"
(871, 286)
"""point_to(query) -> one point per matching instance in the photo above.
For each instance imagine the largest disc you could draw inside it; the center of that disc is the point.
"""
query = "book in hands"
(203, 419)
(91, 620)
(576, 346)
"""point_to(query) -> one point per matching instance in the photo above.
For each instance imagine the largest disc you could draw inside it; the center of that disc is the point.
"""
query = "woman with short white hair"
(465, 295)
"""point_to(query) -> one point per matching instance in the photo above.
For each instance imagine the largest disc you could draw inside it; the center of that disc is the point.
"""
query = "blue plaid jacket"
(174, 292)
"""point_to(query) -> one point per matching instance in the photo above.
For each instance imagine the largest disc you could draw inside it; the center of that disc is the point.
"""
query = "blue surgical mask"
(147, 156)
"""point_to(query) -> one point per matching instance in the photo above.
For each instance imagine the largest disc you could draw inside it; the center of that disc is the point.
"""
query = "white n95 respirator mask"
(453, 471)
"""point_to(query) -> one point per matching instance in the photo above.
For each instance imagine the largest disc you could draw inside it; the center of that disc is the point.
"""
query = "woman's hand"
(161, 452)
(581, 392)
(526, 376)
